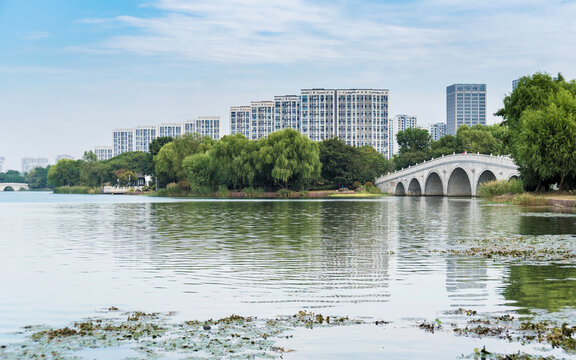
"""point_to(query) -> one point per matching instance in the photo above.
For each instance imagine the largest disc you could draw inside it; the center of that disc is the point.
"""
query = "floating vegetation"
(541, 248)
(153, 335)
(535, 331)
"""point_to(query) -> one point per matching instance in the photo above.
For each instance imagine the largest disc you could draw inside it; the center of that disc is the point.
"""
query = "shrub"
(252, 192)
(284, 193)
(223, 191)
(76, 190)
(500, 187)
(356, 184)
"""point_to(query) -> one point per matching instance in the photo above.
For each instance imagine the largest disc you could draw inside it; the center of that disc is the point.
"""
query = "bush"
(203, 190)
(223, 191)
(356, 184)
(500, 187)
(171, 189)
(252, 192)
(284, 193)
(76, 190)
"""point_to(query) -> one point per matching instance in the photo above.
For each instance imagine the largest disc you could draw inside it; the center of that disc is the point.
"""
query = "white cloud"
(37, 35)
(418, 34)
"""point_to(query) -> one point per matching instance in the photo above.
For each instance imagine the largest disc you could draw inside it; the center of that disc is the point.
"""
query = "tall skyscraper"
(29, 163)
(515, 83)
(2, 159)
(103, 152)
(465, 105)
(437, 130)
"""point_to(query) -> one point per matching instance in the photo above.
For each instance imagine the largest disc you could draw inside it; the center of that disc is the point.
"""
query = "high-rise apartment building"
(465, 105)
(262, 119)
(204, 125)
(362, 118)
(357, 116)
(143, 136)
(437, 130)
(29, 163)
(240, 117)
(123, 140)
(2, 159)
(515, 83)
(103, 152)
(287, 112)
(318, 113)
(171, 130)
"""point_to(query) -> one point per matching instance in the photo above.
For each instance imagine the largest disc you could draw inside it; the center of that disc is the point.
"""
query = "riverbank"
(554, 200)
(282, 194)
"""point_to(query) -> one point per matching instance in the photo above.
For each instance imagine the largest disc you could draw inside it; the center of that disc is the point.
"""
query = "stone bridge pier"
(451, 175)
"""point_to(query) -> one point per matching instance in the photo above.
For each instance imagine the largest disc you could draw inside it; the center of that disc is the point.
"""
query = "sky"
(71, 71)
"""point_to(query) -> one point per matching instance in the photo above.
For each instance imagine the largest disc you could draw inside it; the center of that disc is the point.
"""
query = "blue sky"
(73, 70)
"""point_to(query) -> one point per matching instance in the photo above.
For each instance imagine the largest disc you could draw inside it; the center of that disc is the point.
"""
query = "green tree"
(168, 161)
(288, 159)
(232, 159)
(65, 172)
(199, 172)
(446, 145)
(12, 176)
(339, 162)
(371, 164)
(136, 161)
(157, 144)
(477, 139)
(37, 178)
(547, 141)
(414, 147)
(125, 177)
(413, 140)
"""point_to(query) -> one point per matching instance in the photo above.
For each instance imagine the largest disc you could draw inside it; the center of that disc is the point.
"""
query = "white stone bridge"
(13, 186)
(450, 175)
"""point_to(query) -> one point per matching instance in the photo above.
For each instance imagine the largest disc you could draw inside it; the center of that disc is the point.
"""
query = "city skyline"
(72, 72)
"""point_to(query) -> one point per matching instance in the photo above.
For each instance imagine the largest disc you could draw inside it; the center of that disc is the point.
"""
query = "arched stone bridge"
(450, 175)
(13, 186)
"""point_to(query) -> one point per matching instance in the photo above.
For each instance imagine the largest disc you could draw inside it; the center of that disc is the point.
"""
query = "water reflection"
(212, 258)
(532, 287)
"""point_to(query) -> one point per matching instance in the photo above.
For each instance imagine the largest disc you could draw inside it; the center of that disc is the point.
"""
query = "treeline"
(285, 159)
(416, 145)
(538, 132)
(11, 176)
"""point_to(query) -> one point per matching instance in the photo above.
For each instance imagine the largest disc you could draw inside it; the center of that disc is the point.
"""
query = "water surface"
(65, 257)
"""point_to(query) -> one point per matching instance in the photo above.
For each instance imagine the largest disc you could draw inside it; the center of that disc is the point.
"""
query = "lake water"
(66, 257)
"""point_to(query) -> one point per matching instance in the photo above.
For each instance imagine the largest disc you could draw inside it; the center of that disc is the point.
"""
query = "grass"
(500, 187)
(76, 190)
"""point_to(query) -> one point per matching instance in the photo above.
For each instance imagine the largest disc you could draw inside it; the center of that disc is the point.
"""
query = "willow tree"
(547, 141)
(288, 159)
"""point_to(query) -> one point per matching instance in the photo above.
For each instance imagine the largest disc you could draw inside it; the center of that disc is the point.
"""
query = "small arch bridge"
(13, 186)
(450, 175)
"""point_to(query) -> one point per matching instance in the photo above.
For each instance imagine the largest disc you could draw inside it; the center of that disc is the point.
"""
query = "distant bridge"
(450, 175)
(13, 186)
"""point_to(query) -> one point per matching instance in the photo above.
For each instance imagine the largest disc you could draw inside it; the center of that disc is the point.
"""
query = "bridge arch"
(485, 176)
(8, 188)
(414, 187)
(433, 185)
(400, 191)
(459, 183)
(514, 177)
